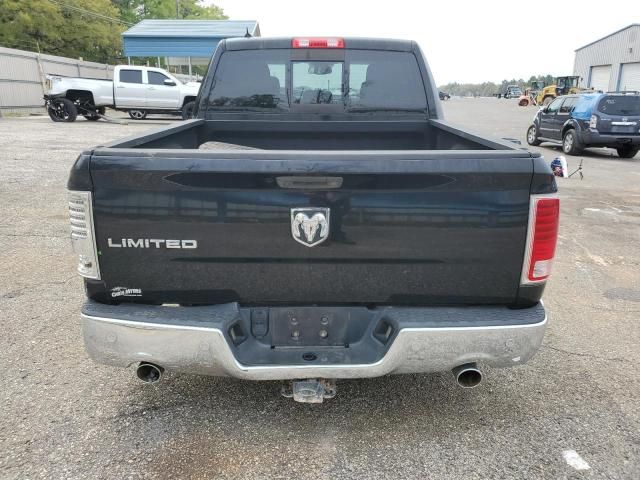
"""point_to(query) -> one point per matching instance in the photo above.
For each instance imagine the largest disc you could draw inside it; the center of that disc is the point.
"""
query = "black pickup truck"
(317, 220)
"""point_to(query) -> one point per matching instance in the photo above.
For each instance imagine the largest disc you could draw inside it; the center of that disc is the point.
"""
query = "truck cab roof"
(257, 43)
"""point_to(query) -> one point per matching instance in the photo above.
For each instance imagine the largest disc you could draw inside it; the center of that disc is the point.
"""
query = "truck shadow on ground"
(188, 415)
(226, 428)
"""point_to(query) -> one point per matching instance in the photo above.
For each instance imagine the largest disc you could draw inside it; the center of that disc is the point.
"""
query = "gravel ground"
(61, 416)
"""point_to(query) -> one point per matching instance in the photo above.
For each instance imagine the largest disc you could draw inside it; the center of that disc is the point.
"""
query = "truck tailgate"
(405, 227)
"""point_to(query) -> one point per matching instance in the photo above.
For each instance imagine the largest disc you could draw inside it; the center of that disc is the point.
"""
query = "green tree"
(136, 10)
(129, 10)
(90, 29)
(487, 89)
(73, 28)
(484, 89)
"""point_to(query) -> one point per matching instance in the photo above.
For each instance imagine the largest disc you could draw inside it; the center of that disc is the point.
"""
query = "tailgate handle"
(309, 183)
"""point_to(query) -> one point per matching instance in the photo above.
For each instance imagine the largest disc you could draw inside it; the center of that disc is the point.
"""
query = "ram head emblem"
(310, 226)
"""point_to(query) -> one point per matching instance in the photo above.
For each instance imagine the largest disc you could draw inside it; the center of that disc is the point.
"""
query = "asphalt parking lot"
(61, 416)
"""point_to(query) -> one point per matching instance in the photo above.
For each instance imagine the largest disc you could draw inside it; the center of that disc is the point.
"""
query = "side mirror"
(169, 83)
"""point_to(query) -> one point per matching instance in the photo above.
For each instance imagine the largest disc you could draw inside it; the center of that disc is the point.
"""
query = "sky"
(464, 41)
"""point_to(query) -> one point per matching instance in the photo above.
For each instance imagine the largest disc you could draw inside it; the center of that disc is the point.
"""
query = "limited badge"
(310, 226)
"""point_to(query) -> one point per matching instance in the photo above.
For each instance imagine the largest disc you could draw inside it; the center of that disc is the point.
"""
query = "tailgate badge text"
(150, 243)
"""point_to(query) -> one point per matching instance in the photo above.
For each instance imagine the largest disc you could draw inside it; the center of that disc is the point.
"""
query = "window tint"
(317, 83)
(555, 105)
(620, 105)
(131, 76)
(279, 71)
(156, 78)
(269, 80)
(568, 105)
(384, 80)
(250, 79)
(357, 76)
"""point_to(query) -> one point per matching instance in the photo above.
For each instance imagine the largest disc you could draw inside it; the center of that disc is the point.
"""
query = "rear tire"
(62, 110)
(138, 114)
(532, 136)
(627, 152)
(187, 110)
(547, 101)
(570, 143)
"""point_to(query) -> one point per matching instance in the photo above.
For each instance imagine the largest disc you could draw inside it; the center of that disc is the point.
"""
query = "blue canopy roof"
(182, 38)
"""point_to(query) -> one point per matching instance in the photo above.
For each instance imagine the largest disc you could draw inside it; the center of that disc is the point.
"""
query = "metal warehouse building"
(183, 42)
(611, 63)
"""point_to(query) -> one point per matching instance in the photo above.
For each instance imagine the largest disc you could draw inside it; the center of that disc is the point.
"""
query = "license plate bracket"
(622, 129)
(304, 327)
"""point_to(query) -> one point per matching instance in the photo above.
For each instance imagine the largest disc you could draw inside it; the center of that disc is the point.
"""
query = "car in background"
(512, 91)
(137, 90)
(444, 95)
(590, 120)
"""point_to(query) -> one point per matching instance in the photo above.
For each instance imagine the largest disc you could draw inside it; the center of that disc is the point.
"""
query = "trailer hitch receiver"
(310, 390)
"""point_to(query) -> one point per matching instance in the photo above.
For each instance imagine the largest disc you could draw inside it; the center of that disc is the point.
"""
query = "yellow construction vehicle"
(562, 86)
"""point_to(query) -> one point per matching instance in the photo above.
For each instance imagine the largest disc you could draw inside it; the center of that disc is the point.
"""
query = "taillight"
(317, 43)
(542, 234)
(82, 234)
(593, 123)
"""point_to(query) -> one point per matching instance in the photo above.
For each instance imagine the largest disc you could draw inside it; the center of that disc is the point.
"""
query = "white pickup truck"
(137, 90)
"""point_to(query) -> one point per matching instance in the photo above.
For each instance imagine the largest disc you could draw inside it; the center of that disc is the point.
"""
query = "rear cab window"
(384, 80)
(317, 82)
(131, 76)
(620, 105)
(276, 80)
(248, 80)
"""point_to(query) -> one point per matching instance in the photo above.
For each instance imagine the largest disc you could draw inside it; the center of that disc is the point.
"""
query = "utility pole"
(177, 8)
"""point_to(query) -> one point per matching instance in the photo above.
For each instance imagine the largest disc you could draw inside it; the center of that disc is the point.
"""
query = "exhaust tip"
(468, 375)
(149, 373)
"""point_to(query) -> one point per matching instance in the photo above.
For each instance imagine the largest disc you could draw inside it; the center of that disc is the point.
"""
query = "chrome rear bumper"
(194, 340)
